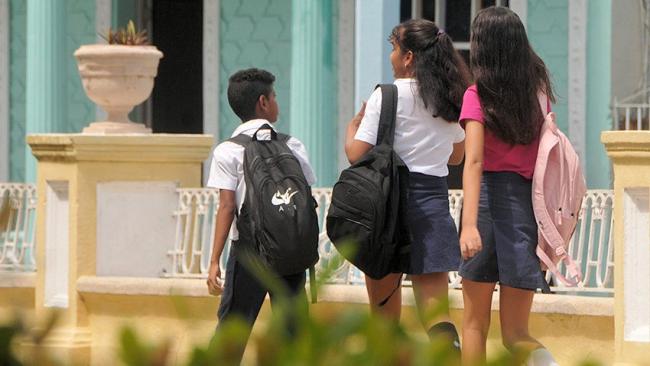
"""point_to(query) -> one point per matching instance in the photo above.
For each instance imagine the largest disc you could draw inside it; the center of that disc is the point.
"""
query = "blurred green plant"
(17, 332)
(351, 336)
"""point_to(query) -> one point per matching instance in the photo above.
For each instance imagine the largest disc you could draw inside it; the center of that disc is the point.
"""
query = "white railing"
(633, 112)
(17, 223)
(591, 246)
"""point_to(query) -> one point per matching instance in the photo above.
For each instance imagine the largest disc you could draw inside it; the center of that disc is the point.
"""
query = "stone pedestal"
(629, 152)
(70, 167)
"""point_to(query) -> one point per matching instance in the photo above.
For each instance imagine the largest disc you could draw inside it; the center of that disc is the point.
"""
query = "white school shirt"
(422, 141)
(227, 166)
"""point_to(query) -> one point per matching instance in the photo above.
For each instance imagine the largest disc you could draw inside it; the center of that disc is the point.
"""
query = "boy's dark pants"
(243, 295)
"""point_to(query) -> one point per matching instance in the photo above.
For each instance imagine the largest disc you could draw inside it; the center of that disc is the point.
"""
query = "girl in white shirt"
(431, 78)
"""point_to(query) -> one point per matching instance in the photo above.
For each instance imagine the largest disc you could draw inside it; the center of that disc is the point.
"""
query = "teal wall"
(599, 89)
(548, 31)
(80, 111)
(549, 34)
(17, 79)
(80, 23)
(254, 33)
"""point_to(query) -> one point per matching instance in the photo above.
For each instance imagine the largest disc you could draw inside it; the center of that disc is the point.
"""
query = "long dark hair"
(508, 75)
(440, 71)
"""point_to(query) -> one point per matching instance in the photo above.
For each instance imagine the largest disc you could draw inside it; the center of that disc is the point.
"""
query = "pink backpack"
(558, 190)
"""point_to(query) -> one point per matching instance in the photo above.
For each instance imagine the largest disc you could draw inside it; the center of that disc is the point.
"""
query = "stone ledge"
(355, 294)
(142, 286)
(162, 148)
(542, 303)
(17, 279)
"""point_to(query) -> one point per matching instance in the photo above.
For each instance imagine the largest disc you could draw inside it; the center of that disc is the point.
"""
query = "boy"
(252, 97)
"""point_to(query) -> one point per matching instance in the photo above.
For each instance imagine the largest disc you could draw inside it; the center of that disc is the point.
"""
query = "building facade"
(327, 56)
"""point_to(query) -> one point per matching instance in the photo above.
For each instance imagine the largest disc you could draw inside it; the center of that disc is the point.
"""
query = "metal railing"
(17, 223)
(591, 246)
(633, 112)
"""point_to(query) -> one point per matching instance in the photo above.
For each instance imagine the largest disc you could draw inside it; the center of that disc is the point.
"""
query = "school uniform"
(243, 294)
(506, 221)
(424, 143)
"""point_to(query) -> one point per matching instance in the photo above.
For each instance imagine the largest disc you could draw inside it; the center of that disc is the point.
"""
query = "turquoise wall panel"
(80, 111)
(599, 91)
(80, 30)
(254, 33)
(17, 79)
(548, 31)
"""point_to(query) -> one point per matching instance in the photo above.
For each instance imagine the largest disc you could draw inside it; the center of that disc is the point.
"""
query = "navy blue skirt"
(506, 222)
(434, 246)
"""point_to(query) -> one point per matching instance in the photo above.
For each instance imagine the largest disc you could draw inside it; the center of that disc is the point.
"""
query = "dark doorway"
(178, 92)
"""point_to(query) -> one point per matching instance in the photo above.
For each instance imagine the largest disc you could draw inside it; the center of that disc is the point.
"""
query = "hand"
(215, 286)
(470, 242)
(356, 121)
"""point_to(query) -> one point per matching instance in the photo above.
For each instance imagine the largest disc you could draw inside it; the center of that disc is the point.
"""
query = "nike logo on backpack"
(282, 198)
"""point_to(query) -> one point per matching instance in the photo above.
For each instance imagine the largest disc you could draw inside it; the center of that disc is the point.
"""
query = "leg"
(242, 299)
(431, 293)
(514, 312)
(296, 305)
(477, 297)
(380, 290)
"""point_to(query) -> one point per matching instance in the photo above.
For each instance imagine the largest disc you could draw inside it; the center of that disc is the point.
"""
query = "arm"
(225, 217)
(470, 240)
(457, 154)
(355, 149)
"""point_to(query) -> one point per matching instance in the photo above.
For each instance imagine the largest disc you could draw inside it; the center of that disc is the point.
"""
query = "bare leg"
(379, 290)
(477, 297)
(431, 290)
(515, 305)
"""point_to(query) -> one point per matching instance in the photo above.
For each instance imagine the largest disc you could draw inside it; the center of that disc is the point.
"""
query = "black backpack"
(368, 205)
(277, 223)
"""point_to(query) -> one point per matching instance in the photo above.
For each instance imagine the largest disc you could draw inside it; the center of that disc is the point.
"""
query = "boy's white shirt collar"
(253, 124)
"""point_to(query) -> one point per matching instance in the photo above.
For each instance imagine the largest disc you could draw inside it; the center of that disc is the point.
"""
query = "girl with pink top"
(502, 117)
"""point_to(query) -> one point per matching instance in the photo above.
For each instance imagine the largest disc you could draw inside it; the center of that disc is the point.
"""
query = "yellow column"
(629, 152)
(69, 168)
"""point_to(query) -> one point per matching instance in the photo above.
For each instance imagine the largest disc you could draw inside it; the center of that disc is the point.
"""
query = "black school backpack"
(277, 223)
(369, 201)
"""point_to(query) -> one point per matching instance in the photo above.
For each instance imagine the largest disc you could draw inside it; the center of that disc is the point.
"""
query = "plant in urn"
(118, 76)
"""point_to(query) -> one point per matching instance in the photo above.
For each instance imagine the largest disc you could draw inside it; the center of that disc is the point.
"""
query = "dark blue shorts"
(508, 231)
(435, 246)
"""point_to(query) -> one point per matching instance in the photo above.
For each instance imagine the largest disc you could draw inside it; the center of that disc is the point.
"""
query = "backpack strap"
(242, 139)
(386, 131)
(312, 285)
(571, 265)
(283, 137)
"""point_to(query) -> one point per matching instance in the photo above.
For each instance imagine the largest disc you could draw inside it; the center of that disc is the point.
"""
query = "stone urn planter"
(117, 78)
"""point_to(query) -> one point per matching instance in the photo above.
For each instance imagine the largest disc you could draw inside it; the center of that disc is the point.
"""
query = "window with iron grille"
(454, 16)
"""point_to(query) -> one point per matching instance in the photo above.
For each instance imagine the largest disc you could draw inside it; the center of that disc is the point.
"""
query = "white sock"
(541, 357)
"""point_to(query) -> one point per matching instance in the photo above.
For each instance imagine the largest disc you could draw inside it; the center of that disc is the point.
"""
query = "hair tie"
(440, 31)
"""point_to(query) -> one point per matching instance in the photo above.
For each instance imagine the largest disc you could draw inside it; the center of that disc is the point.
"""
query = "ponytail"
(440, 71)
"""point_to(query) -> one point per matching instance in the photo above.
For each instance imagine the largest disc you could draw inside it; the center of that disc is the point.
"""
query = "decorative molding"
(578, 76)
(346, 107)
(57, 245)
(520, 7)
(636, 263)
(211, 66)
(103, 20)
(4, 90)
(120, 148)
